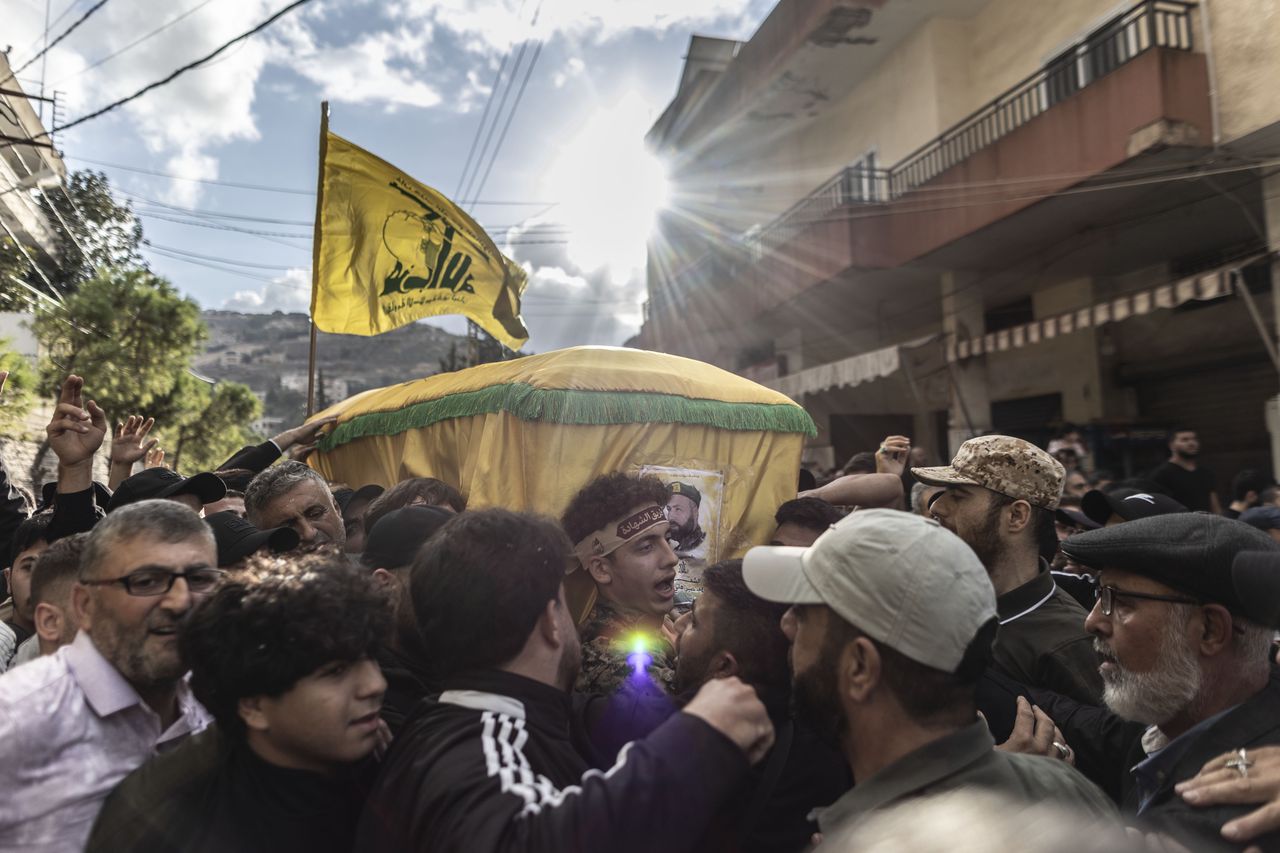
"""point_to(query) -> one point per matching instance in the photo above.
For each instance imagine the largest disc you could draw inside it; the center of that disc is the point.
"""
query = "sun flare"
(609, 190)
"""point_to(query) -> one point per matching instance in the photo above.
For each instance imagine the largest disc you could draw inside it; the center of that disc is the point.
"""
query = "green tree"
(19, 390)
(201, 425)
(128, 332)
(99, 232)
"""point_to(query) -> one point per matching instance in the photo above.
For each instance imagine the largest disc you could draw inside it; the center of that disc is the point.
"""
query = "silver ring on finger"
(1063, 750)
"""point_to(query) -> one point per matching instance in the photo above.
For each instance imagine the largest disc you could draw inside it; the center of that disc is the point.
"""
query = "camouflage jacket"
(609, 642)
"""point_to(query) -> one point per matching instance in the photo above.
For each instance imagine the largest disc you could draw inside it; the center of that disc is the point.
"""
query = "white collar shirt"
(71, 727)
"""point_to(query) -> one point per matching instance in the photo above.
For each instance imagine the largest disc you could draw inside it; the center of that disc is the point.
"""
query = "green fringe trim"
(589, 408)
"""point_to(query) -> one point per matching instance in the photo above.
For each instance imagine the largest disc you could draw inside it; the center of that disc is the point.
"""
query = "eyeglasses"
(1107, 596)
(159, 581)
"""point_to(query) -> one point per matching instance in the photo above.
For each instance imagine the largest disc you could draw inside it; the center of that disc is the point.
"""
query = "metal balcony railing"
(1149, 24)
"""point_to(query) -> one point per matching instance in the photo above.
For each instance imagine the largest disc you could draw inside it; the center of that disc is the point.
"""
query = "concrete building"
(947, 217)
(28, 164)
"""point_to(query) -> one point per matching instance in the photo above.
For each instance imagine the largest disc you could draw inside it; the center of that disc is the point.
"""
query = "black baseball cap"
(396, 537)
(238, 539)
(1129, 504)
(1193, 552)
(158, 483)
(1074, 518)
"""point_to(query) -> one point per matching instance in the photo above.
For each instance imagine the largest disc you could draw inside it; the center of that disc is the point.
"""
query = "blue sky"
(408, 79)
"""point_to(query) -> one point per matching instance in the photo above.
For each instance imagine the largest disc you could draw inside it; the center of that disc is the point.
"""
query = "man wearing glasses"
(1183, 631)
(74, 723)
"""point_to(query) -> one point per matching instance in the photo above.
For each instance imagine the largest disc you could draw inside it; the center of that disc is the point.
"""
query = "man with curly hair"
(619, 527)
(282, 655)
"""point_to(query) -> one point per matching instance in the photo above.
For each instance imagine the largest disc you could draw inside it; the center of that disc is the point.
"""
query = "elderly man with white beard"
(1183, 632)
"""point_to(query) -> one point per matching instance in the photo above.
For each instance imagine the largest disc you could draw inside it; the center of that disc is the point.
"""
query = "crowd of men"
(255, 659)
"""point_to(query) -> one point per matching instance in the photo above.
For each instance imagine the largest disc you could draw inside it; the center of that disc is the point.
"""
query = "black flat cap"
(396, 537)
(238, 539)
(1194, 553)
(1129, 504)
(346, 497)
(158, 483)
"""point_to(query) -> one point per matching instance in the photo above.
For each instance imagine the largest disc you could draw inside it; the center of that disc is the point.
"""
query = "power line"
(506, 92)
(214, 259)
(131, 45)
(264, 187)
(488, 102)
(510, 116)
(179, 72)
(68, 31)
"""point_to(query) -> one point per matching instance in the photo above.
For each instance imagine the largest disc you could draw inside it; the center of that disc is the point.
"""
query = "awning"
(879, 363)
(1202, 286)
(847, 372)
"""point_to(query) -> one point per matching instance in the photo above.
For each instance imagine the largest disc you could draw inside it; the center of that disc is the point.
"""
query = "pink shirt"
(71, 728)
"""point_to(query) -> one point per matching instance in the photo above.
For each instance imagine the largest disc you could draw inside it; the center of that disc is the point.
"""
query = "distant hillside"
(268, 352)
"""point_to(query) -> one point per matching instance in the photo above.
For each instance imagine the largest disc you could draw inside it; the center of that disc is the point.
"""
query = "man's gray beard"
(1155, 697)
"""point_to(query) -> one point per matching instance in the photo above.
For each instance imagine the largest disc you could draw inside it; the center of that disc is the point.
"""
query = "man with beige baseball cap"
(891, 623)
(1000, 496)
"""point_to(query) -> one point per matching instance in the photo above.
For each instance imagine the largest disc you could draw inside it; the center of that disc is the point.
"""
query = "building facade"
(947, 217)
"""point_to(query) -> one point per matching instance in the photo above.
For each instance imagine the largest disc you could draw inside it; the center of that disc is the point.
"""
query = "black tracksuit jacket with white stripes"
(495, 764)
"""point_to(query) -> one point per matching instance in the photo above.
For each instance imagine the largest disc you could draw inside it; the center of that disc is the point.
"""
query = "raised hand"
(129, 442)
(155, 458)
(307, 434)
(77, 429)
(891, 458)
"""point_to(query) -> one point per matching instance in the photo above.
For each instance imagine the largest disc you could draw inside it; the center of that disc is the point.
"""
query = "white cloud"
(573, 68)
(290, 292)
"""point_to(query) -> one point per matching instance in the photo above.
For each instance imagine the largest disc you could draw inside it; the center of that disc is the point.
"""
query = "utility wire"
(264, 187)
(506, 92)
(68, 31)
(502, 137)
(131, 45)
(176, 74)
(229, 261)
(488, 103)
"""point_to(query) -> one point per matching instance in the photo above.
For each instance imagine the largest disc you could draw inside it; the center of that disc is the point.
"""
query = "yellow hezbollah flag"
(390, 250)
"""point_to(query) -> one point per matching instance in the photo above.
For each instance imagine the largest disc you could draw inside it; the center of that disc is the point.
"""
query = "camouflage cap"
(1001, 463)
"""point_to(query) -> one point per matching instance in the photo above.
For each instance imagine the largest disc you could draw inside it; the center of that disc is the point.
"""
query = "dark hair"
(237, 479)
(609, 497)
(56, 566)
(429, 490)
(1173, 432)
(1269, 494)
(809, 513)
(807, 480)
(481, 582)
(861, 463)
(751, 629)
(927, 695)
(29, 532)
(1249, 480)
(275, 622)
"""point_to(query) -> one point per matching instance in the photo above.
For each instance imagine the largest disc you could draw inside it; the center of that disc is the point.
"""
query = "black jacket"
(257, 458)
(495, 764)
(1114, 745)
(213, 795)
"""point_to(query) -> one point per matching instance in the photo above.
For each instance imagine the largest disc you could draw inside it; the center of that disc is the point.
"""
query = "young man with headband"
(619, 529)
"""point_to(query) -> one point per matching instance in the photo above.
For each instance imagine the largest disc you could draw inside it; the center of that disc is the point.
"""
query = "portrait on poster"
(693, 512)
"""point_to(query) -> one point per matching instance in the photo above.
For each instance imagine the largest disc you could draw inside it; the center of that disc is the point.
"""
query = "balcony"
(1133, 86)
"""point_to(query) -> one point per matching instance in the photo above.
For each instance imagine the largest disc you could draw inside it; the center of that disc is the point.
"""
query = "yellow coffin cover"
(528, 434)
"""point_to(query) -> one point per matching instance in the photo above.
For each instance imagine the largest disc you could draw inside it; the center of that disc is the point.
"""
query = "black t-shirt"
(1189, 488)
